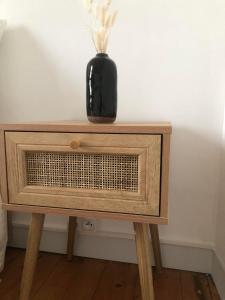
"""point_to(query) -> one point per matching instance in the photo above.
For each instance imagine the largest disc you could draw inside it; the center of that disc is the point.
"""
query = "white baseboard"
(218, 274)
(118, 247)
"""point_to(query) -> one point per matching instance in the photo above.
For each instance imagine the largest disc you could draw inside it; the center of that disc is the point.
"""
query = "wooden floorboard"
(92, 279)
(118, 281)
(167, 285)
(213, 291)
(188, 289)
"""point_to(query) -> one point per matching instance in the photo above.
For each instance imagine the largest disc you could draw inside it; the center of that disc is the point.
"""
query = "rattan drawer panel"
(117, 172)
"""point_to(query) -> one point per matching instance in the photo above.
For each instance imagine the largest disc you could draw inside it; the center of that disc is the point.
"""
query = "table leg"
(33, 243)
(71, 237)
(156, 247)
(144, 260)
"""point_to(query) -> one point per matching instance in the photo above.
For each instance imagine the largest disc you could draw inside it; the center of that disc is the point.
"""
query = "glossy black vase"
(101, 80)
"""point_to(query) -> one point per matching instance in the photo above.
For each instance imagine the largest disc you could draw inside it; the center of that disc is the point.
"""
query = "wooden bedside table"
(117, 171)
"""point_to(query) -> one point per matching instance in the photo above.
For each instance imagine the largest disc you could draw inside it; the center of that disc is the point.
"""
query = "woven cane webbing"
(82, 170)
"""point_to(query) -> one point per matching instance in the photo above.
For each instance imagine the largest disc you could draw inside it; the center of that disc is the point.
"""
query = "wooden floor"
(92, 279)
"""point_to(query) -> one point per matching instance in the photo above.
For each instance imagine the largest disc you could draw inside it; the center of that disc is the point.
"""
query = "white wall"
(169, 54)
(220, 225)
(218, 263)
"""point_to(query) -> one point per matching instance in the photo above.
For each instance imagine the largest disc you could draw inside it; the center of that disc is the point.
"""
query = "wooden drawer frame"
(147, 147)
(162, 130)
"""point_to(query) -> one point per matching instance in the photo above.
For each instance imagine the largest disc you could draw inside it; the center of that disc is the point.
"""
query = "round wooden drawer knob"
(75, 144)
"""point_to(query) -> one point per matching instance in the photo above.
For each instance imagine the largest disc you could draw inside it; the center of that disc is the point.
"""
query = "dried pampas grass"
(102, 20)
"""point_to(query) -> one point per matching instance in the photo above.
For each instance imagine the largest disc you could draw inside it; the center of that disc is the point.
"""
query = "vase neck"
(102, 55)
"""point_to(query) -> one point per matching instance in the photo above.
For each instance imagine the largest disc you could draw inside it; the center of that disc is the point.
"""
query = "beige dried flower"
(102, 20)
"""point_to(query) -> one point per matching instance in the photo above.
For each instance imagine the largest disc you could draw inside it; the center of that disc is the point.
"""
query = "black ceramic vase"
(101, 89)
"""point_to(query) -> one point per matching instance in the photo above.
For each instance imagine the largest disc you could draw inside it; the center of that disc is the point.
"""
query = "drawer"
(100, 172)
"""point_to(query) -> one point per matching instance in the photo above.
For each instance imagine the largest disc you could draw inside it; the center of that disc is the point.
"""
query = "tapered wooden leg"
(71, 237)
(156, 247)
(144, 260)
(33, 243)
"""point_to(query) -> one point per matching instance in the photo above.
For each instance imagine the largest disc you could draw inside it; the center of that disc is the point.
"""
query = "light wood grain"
(144, 260)
(165, 175)
(72, 126)
(3, 176)
(156, 246)
(153, 173)
(144, 201)
(86, 140)
(31, 255)
(122, 128)
(86, 213)
(71, 237)
(75, 144)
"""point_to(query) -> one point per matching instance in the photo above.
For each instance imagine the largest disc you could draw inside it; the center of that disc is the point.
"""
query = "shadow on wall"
(194, 185)
(37, 84)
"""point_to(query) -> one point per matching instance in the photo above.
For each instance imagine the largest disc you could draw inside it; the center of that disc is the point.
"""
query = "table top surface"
(80, 126)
